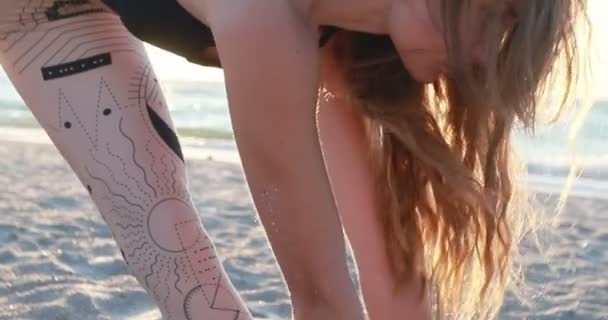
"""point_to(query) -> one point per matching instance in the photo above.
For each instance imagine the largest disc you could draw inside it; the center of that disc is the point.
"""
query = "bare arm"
(346, 151)
(344, 142)
(271, 70)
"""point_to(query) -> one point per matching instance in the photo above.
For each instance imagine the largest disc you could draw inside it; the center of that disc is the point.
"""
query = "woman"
(417, 102)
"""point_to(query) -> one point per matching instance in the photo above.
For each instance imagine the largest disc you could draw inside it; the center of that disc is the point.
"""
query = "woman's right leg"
(91, 87)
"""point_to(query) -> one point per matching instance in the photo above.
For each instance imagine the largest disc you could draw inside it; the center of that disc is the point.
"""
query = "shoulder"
(266, 50)
(260, 21)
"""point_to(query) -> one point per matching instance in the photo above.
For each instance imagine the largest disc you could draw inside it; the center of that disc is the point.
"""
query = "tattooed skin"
(90, 85)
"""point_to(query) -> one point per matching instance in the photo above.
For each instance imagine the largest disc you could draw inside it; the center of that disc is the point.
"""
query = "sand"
(58, 259)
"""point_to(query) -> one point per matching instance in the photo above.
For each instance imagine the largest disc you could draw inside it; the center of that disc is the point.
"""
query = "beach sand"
(58, 259)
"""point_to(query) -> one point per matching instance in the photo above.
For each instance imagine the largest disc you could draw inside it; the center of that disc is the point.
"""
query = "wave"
(203, 124)
(595, 168)
(202, 144)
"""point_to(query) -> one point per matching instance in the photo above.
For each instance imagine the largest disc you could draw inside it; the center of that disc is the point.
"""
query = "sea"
(199, 110)
(572, 283)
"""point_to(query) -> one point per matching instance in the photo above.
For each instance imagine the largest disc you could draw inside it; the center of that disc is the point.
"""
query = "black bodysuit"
(167, 25)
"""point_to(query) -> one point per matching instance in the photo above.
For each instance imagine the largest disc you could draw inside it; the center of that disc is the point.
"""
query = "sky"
(169, 66)
(599, 49)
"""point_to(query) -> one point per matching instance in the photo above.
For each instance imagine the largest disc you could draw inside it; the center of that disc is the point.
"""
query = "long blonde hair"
(451, 206)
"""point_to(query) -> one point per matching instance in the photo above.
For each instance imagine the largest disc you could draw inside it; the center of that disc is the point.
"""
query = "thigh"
(90, 85)
(24, 15)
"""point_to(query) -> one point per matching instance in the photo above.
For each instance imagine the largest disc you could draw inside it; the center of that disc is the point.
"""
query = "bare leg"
(91, 86)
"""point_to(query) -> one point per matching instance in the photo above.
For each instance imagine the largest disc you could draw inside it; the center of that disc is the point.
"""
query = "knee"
(173, 225)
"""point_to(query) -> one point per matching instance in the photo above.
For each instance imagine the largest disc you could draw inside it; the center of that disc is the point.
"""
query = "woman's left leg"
(90, 85)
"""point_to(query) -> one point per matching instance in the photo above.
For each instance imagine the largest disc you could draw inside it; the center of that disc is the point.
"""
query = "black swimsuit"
(167, 25)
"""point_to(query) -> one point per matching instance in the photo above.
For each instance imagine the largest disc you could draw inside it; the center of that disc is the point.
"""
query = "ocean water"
(199, 110)
(573, 286)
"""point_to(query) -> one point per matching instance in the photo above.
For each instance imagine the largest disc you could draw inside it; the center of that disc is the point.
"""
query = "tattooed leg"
(90, 85)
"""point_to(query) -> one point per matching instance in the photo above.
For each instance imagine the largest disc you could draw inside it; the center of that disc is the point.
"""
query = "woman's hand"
(270, 58)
